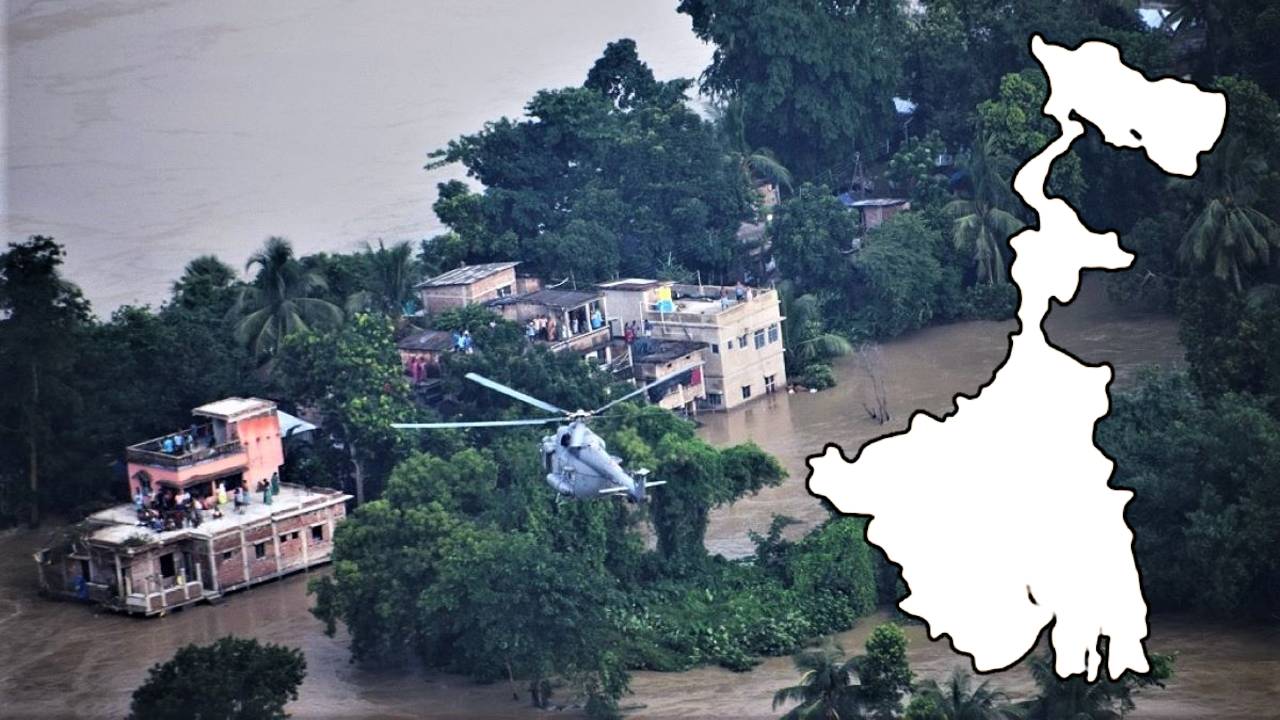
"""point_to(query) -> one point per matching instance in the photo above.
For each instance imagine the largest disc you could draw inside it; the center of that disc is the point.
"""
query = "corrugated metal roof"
(560, 299)
(427, 341)
(466, 274)
(847, 200)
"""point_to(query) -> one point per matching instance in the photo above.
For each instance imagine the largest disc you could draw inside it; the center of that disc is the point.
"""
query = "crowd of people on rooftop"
(174, 509)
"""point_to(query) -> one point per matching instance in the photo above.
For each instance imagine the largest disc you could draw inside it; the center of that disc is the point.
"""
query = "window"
(773, 333)
(746, 391)
(729, 345)
(742, 341)
(715, 399)
(504, 291)
(167, 567)
(759, 338)
(770, 383)
(715, 349)
(284, 538)
(260, 550)
(226, 554)
(317, 533)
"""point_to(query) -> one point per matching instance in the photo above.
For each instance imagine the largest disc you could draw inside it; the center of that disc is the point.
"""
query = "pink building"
(185, 538)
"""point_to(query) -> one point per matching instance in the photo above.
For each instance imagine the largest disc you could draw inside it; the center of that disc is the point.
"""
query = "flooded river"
(60, 659)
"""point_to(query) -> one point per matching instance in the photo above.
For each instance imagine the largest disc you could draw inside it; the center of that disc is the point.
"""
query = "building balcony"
(583, 342)
(145, 454)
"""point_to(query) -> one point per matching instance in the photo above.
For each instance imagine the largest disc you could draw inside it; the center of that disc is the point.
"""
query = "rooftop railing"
(189, 456)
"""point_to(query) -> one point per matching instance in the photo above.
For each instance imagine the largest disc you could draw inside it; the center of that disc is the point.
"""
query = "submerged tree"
(231, 679)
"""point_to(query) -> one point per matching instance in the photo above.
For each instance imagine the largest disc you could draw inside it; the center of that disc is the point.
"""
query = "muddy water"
(59, 659)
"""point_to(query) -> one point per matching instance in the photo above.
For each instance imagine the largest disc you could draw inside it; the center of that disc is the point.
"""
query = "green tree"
(620, 75)
(41, 317)
(391, 273)
(958, 699)
(354, 376)
(757, 164)
(206, 281)
(914, 168)
(811, 233)
(810, 346)
(884, 676)
(540, 614)
(1229, 236)
(701, 478)
(815, 103)
(280, 302)
(611, 177)
(901, 279)
(231, 679)
(1013, 125)
(984, 221)
(1074, 697)
(1205, 505)
(825, 689)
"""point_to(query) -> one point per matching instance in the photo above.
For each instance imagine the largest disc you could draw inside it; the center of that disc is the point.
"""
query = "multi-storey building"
(184, 539)
(740, 326)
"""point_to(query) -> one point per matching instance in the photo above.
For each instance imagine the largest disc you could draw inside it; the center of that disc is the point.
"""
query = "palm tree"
(204, 279)
(280, 301)
(803, 334)
(826, 688)
(392, 275)
(982, 224)
(1229, 235)
(1074, 698)
(959, 700)
(753, 163)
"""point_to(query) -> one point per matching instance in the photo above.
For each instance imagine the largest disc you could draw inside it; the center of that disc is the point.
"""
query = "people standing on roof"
(740, 291)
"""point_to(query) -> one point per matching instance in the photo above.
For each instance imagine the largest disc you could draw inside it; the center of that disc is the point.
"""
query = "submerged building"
(210, 515)
(739, 327)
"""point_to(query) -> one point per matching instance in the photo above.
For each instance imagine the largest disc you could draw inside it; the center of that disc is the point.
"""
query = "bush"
(989, 302)
(232, 679)
(818, 376)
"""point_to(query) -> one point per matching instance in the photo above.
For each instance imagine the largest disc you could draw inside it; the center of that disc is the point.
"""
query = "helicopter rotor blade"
(509, 392)
(477, 423)
(638, 391)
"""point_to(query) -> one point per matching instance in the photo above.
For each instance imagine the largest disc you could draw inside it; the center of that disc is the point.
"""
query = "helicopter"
(577, 463)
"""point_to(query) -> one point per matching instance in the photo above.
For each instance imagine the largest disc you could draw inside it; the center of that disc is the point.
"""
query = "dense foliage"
(231, 679)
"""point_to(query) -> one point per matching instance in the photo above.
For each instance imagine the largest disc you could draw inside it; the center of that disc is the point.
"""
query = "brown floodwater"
(66, 660)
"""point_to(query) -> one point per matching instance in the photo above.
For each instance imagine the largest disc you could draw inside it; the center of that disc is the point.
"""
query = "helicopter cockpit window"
(564, 440)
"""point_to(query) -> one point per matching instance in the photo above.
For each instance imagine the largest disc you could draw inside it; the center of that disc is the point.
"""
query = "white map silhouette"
(1001, 516)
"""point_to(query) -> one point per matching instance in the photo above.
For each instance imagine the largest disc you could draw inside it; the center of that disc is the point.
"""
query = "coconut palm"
(280, 301)
(959, 700)
(983, 225)
(392, 274)
(803, 334)
(1074, 698)
(826, 689)
(755, 164)
(203, 281)
(1229, 235)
